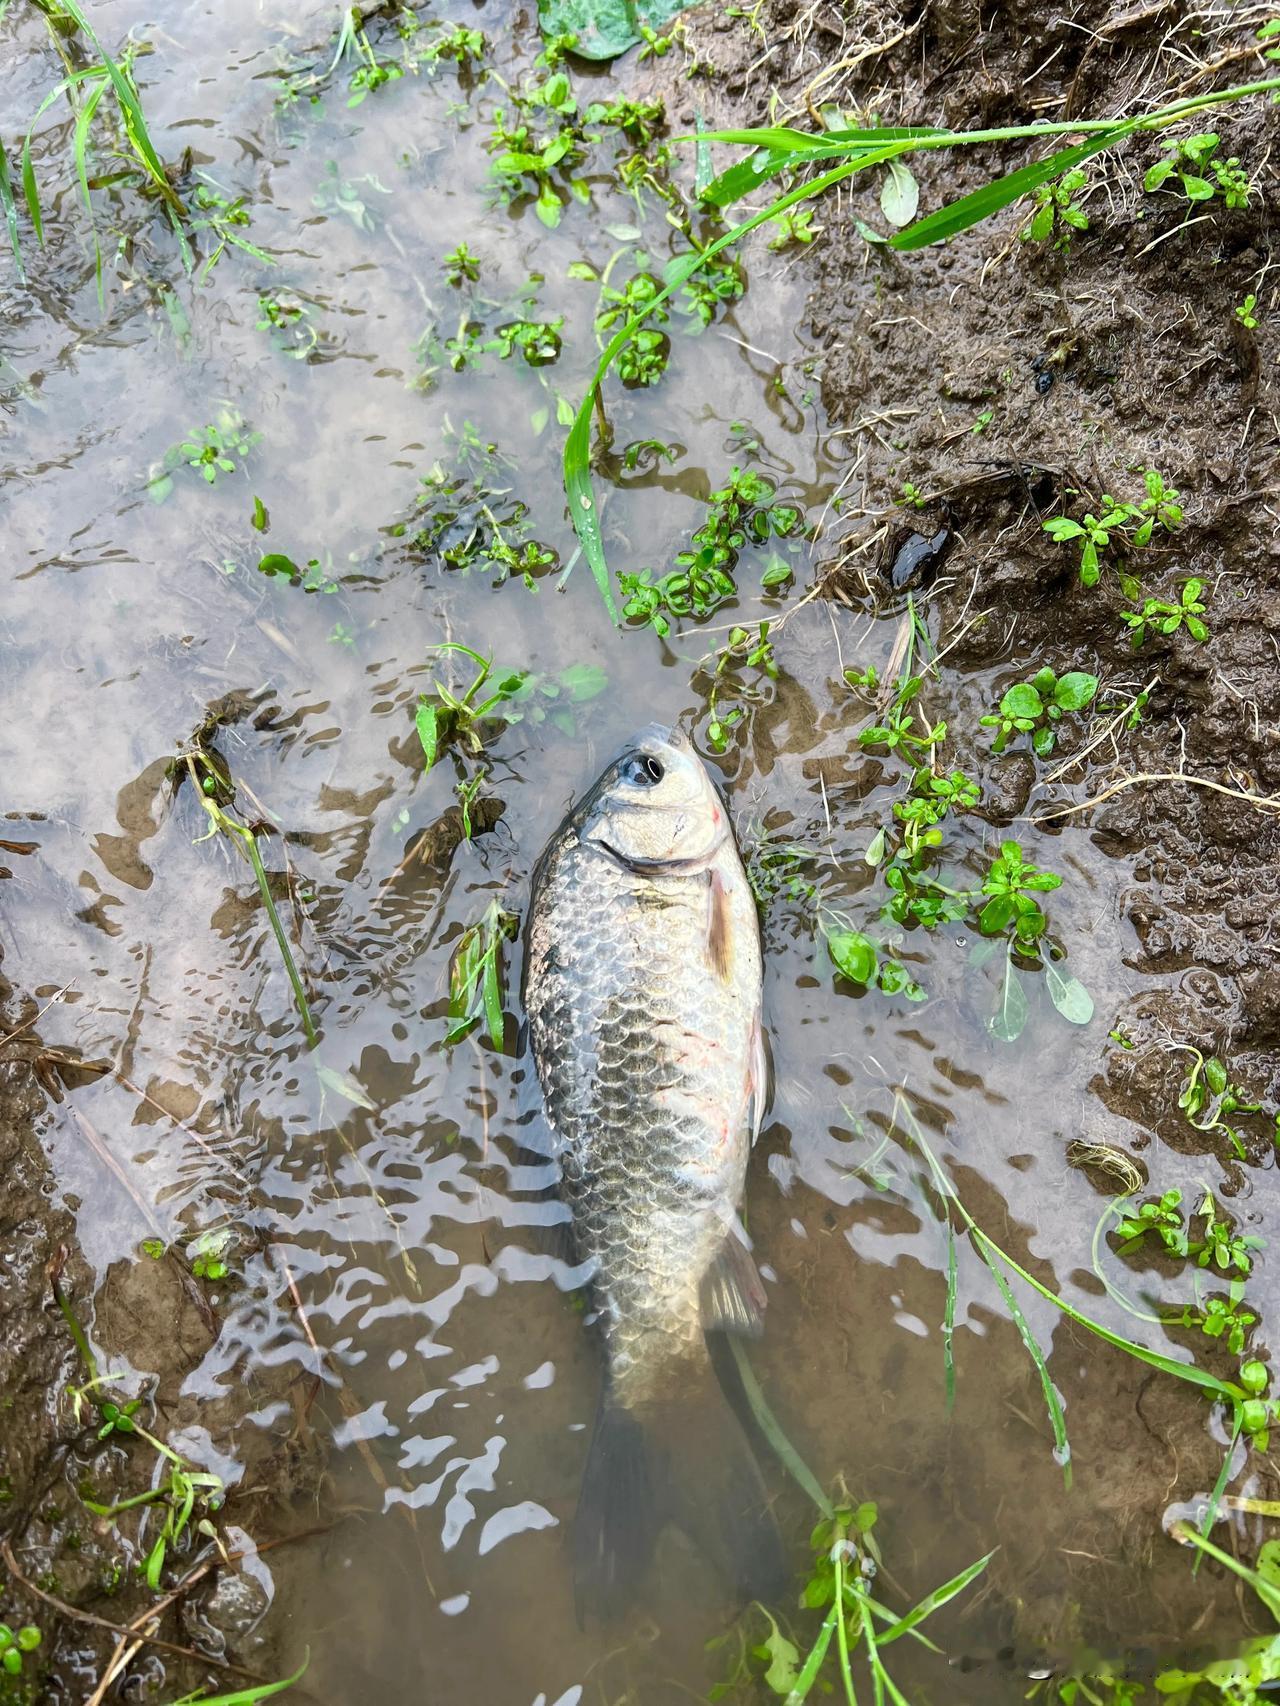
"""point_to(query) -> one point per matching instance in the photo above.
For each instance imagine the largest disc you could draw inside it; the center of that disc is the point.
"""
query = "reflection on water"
(456, 1382)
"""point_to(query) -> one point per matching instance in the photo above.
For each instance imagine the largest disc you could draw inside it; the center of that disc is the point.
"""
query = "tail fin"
(687, 1463)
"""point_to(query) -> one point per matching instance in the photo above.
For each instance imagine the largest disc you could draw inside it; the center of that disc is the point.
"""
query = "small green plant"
(744, 513)
(1012, 884)
(225, 218)
(1193, 161)
(461, 266)
(645, 359)
(475, 976)
(1208, 1097)
(1161, 1218)
(857, 958)
(288, 321)
(471, 717)
(911, 496)
(464, 46)
(1158, 616)
(718, 281)
(742, 651)
(1131, 524)
(1034, 707)
(17, 1644)
(794, 227)
(208, 1254)
(1245, 313)
(1055, 208)
(209, 451)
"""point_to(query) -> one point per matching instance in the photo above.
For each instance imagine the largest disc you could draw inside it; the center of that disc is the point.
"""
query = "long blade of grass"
(135, 122)
(10, 208)
(1052, 1402)
(577, 446)
(934, 1601)
(80, 148)
(958, 215)
(1266, 1592)
(771, 1428)
(748, 175)
(259, 1691)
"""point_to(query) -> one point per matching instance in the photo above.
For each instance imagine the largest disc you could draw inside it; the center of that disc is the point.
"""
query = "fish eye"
(643, 771)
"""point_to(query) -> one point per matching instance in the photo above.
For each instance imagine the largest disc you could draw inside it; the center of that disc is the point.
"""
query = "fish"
(642, 993)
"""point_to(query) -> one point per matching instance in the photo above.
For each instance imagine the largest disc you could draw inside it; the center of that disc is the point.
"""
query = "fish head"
(656, 806)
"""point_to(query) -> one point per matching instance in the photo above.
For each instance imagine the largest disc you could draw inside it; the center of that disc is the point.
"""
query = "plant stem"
(770, 1427)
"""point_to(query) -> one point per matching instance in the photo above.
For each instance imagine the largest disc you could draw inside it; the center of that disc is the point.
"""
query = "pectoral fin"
(719, 926)
(733, 1294)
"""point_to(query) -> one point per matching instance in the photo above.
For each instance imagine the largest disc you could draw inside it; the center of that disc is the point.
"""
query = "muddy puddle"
(324, 1282)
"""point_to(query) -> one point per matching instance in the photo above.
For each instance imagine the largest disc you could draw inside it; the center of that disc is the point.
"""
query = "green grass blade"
(1052, 1402)
(80, 147)
(259, 1691)
(577, 447)
(10, 212)
(771, 1428)
(135, 122)
(980, 204)
(748, 175)
(1266, 1592)
(783, 137)
(934, 1601)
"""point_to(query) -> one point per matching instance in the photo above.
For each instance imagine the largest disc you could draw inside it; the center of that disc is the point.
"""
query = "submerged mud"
(386, 1376)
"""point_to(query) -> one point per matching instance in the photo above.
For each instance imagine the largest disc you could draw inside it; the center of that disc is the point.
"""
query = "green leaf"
(940, 1596)
(1022, 701)
(980, 204)
(276, 564)
(604, 28)
(1157, 174)
(1075, 690)
(583, 681)
(1010, 1017)
(491, 990)
(784, 1659)
(900, 196)
(996, 914)
(260, 520)
(426, 721)
(10, 209)
(1215, 1075)
(259, 1691)
(1068, 995)
(853, 954)
(1052, 1402)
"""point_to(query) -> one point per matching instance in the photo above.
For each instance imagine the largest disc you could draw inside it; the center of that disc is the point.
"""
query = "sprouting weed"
(287, 320)
(719, 281)
(1128, 523)
(208, 1254)
(644, 360)
(1193, 162)
(1209, 1099)
(742, 651)
(1158, 616)
(372, 72)
(911, 496)
(857, 958)
(744, 513)
(1056, 209)
(1034, 707)
(15, 1645)
(313, 578)
(464, 46)
(794, 226)
(1012, 884)
(211, 451)
(1161, 1218)
(225, 218)
(494, 700)
(338, 195)
(461, 266)
(467, 526)
(1245, 313)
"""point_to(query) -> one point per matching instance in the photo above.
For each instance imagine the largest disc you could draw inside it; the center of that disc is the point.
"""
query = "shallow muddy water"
(469, 1381)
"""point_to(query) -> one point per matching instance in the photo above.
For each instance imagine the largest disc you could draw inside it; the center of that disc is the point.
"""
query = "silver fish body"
(643, 992)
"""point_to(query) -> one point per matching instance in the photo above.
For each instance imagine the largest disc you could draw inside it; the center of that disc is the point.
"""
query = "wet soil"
(389, 1361)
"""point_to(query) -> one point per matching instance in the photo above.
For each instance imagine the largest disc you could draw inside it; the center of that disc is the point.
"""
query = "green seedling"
(17, 1645)
(644, 361)
(210, 451)
(1220, 1246)
(1160, 1218)
(475, 976)
(857, 958)
(1218, 1318)
(1127, 523)
(338, 195)
(717, 282)
(1209, 1099)
(528, 164)
(1245, 313)
(1158, 616)
(742, 651)
(1012, 884)
(461, 266)
(208, 1253)
(313, 578)
(467, 526)
(464, 46)
(1192, 161)
(288, 321)
(740, 515)
(225, 218)
(1034, 707)
(372, 73)
(795, 227)
(1056, 209)
(517, 696)
(911, 496)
